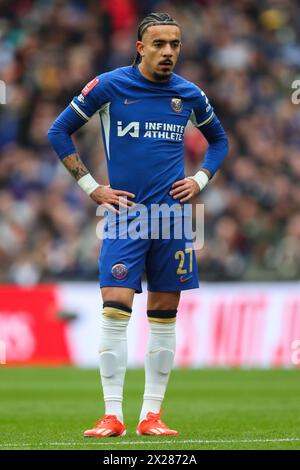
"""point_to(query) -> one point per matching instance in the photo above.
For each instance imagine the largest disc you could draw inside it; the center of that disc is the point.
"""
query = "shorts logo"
(177, 105)
(119, 271)
(184, 278)
(89, 86)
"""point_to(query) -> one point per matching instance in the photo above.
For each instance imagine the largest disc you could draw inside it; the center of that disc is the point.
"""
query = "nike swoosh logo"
(127, 101)
(184, 279)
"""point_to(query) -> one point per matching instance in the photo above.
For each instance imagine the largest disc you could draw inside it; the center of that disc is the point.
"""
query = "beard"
(162, 76)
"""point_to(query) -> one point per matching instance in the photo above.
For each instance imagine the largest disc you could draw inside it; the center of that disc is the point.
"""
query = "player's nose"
(167, 51)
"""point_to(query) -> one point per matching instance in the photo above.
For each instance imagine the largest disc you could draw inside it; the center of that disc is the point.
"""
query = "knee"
(120, 295)
(163, 300)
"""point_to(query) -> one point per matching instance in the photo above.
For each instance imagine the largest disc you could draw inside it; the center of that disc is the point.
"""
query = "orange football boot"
(108, 426)
(153, 426)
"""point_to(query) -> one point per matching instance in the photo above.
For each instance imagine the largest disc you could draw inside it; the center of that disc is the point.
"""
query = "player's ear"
(140, 47)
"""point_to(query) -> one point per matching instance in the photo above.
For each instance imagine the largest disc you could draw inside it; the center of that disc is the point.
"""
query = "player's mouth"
(167, 64)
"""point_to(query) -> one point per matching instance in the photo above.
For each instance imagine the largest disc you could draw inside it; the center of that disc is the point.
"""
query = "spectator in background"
(48, 49)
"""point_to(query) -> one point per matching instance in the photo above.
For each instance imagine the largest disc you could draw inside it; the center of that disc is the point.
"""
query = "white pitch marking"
(159, 442)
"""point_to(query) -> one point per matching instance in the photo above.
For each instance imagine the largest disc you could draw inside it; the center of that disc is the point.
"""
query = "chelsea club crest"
(177, 105)
(119, 271)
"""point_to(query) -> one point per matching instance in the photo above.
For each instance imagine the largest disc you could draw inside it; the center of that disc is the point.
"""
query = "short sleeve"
(92, 97)
(202, 112)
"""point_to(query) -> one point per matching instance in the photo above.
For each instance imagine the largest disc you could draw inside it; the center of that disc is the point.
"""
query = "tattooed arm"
(60, 138)
(102, 194)
(75, 166)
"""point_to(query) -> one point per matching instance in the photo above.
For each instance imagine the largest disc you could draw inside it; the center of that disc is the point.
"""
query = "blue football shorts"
(170, 264)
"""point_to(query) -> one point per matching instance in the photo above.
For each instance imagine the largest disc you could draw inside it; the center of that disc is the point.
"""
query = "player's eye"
(174, 44)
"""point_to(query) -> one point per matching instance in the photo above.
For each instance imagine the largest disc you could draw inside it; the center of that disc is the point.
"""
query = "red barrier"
(30, 327)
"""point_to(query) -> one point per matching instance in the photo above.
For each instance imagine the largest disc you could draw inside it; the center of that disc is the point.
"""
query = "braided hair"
(151, 20)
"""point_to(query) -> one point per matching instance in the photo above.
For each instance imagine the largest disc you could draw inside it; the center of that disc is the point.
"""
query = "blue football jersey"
(143, 125)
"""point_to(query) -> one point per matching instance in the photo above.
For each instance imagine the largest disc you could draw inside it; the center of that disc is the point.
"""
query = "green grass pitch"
(212, 409)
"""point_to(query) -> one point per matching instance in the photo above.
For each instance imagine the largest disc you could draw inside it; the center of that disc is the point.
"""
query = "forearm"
(78, 170)
(218, 147)
(60, 138)
(217, 151)
(75, 166)
(215, 156)
(207, 172)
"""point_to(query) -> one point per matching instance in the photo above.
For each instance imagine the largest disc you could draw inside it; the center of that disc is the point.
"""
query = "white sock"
(158, 364)
(113, 362)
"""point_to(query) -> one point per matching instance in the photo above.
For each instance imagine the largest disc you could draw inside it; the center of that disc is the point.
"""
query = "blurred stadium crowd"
(245, 54)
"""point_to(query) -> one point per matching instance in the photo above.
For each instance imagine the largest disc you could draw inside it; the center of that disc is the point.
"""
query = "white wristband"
(88, 184)
(201, 179)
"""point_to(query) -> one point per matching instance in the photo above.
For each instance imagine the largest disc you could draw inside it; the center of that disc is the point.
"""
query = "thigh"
(122, 295)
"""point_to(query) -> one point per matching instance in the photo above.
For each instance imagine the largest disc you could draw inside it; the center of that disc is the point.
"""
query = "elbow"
(54, 138)
(226, 145)
(224, 148)
(56, 133)
(222, 143)
(50, 134)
